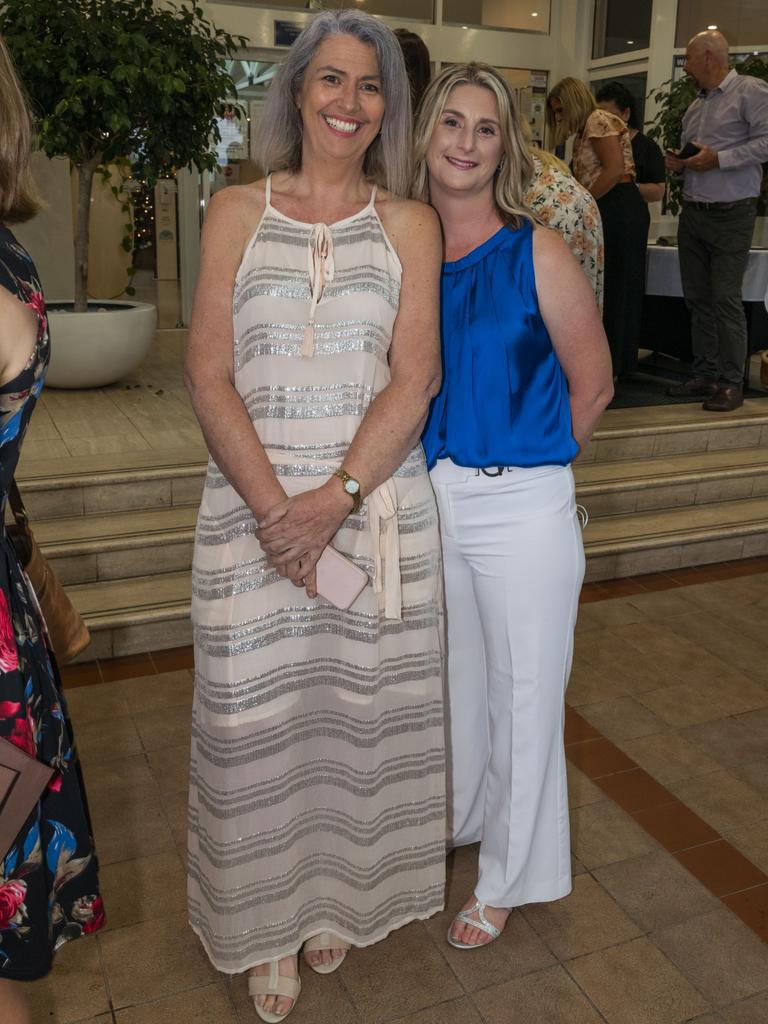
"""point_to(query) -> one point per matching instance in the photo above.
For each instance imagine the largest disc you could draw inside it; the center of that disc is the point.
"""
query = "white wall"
(48, 236)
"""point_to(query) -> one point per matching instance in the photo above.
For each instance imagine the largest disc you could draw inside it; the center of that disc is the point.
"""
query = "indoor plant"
(117, 80)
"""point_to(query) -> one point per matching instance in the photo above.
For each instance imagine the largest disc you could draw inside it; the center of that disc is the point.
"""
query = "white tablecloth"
(663, 273)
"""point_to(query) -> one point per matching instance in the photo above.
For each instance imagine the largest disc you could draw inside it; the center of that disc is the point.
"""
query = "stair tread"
(73, 534)
(643, 471)
(88, 470)
(134, 600)
(672, 418)
(685, 524)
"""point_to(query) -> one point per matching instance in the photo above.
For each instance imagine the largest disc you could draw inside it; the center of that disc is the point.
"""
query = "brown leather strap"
(17, 505)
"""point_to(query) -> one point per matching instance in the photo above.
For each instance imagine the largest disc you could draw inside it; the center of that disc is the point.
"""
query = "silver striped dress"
(317, 794)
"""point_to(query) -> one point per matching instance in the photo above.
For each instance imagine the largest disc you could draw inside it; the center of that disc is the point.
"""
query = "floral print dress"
(49, 890)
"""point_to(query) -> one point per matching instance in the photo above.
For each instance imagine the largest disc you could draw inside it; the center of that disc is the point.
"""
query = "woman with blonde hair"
(49, 888)
(317, 796)
(603, 163)
(526, 375)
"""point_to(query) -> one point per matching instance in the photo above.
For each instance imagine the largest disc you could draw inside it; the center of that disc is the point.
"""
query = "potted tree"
(116, 81)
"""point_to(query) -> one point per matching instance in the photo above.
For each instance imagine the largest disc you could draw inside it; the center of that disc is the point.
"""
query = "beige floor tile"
(588, 685)
(143, 889)
(728, 741)
(635, 984)
(586, 920)
(170, 727)
(163, 440)
(518, 951)
(669, 757)
(34, 451)
(170, 767)
(581, 790)
(132, 827)
(733, 693)
(663, 605)
(88, 704)
(130, 441)
(610, 654)
(718, 954)
(722, 800)
(680, 705)
(546, 997)
(603, 834)
(751, 1011)
(75, 988)
(458, 1011)
(604, 614)
(107, 740)
(165, 690)
(323, 999)
(207, 1005)
(154, 959)
(423, 976)
(655, 890)
(755, 774)
(752, 841)
(623, 718)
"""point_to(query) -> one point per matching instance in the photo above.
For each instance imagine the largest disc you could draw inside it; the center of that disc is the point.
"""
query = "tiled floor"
(668, 750)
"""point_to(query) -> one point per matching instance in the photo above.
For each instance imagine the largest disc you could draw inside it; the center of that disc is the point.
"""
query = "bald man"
(728, 121)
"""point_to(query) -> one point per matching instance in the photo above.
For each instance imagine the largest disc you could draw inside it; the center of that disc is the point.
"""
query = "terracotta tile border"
(604, 589)
(728, 874)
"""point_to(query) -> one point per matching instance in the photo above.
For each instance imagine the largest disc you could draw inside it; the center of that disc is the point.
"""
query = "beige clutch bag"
(22, 780)
(339, 580)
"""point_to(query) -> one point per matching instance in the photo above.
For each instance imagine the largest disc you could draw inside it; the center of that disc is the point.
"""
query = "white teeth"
(343, 126)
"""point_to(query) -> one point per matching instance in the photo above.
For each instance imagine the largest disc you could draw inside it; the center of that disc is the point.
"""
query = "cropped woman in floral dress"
(49, 891)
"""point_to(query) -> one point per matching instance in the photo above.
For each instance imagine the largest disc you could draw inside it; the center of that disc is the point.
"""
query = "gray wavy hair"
(279, 136)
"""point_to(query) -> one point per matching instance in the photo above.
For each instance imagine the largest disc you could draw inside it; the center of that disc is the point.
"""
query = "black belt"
(494, 470)
(699, 205)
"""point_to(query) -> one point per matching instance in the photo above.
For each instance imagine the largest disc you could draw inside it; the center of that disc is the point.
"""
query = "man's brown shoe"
(725, 399)
(695, 387)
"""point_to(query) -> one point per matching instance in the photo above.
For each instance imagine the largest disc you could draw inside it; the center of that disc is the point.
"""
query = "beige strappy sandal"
(273, 984)
(325, 940)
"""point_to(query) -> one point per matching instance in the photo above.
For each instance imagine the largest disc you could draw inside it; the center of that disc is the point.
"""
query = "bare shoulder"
(549, 247)
(409, 223)
(238, 204)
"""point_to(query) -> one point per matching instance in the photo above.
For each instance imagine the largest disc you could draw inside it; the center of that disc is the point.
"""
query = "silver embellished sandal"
(483, 924)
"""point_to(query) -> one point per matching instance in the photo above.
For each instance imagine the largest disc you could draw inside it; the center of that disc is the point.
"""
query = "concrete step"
(106, 483)
(638, 485)
(674, 430)
(148, 613)
(660, 540)
(118, 545)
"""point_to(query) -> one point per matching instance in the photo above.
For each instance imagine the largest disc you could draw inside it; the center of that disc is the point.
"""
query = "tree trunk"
(85, 173)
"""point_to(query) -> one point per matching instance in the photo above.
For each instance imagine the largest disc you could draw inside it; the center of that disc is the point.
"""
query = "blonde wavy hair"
(18, 196)
(516, 167)
(578, 103)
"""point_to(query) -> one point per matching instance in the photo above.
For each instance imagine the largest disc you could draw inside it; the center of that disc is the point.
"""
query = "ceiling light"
(534, 14)
(630, 42)
(711, 27)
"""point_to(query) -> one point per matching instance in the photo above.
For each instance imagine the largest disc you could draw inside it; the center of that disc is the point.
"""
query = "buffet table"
(666, 324)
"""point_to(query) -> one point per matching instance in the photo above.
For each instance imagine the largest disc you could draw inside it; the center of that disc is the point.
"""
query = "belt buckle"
(491, 472)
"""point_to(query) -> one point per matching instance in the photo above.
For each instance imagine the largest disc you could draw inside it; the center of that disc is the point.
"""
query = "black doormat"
(648, 386)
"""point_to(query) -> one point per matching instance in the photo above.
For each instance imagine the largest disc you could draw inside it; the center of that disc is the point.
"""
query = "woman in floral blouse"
(559, 202)
(49, 890)
(603, 163)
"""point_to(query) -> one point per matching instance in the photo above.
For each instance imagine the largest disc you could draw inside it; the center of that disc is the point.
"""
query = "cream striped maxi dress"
(317, 796)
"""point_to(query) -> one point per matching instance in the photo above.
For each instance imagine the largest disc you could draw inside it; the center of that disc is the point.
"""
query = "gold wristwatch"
(352, 487)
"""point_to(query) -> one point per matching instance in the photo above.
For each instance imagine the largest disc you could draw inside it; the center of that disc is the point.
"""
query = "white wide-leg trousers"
(514, 565)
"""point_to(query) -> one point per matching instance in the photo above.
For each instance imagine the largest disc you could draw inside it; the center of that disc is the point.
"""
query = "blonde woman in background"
(603, 163)
(526, 375)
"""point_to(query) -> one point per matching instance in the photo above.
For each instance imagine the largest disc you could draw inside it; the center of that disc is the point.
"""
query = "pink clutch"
(339, 580)
(22, 780)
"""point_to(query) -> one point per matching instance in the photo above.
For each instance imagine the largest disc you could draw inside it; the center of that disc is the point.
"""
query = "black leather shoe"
(725, 399)
(695, 387)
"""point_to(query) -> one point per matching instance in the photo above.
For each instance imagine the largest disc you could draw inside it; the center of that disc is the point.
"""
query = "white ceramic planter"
(89, 350)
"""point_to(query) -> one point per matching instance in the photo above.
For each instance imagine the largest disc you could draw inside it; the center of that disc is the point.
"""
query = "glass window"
(621, 27)
(412, 10)
(740, 21)
(520, 15)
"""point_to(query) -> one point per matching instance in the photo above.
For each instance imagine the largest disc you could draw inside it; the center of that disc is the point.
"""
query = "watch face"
(351, 486)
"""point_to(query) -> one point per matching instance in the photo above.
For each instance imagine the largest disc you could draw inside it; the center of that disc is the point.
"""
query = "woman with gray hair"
(317, 800)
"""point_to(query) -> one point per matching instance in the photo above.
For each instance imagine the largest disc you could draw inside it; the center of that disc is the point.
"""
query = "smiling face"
(466, 145)
(340, 99)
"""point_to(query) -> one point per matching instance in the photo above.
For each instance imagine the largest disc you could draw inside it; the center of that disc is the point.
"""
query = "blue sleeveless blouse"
(504, 396)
